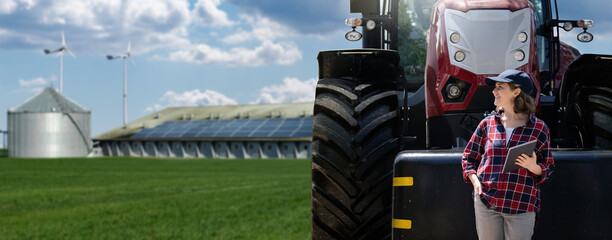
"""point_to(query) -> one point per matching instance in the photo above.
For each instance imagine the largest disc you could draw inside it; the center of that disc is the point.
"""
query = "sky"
(188, 53)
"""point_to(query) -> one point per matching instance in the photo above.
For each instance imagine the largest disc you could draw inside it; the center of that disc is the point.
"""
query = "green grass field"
(135, 198)
(3, 152)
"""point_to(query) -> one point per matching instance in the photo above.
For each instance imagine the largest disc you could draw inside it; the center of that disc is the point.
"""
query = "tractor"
(391, 119)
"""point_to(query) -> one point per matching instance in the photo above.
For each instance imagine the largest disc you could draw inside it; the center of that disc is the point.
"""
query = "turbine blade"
(129, 45)
(70, 53)
(109, 57)
(47, 51)
(63, 39)
(60, 53)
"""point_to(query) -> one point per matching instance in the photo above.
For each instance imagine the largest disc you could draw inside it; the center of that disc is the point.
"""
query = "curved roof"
(248, 111)
(49, 101)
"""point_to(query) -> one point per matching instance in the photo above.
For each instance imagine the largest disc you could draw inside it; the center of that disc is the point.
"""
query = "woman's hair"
(523, 103)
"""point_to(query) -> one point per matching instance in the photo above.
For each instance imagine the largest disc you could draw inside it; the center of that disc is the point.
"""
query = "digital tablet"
(527, 148)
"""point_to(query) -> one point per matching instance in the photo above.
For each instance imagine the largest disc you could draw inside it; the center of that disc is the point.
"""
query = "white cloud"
(267, 53)
(207, 13)
(168, 28)
(119, 17)
(160, 15)
(105, 24)
(313, 17)
(34, 85)
(191, 98)
(263, 29)
(36, 82)
(9, 6)
(156, 107)
(292, 90)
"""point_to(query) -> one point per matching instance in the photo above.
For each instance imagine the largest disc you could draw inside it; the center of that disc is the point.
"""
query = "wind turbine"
(60, 52)
(126, 55)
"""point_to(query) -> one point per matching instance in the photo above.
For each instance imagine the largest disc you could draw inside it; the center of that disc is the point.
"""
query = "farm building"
(237, 131)
(49, 125)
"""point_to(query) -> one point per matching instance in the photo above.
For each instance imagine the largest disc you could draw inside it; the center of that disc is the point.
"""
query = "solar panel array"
(234, 128)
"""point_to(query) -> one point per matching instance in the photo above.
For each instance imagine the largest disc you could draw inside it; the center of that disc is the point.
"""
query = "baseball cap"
(517, 77)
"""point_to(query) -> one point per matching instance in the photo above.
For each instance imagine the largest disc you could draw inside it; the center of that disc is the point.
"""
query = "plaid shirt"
(516, 191)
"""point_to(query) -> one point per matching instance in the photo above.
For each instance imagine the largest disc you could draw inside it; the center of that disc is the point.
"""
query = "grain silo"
(49, 125)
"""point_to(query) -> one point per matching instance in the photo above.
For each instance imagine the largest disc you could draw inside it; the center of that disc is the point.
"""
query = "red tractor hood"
(466, 5)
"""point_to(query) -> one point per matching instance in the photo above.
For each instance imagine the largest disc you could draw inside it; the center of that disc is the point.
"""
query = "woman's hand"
(476, 183)
(529, 162)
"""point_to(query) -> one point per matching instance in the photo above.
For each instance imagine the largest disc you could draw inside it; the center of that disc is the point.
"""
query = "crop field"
(146, 198)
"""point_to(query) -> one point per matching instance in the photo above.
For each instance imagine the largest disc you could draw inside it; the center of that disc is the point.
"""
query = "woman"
(506, 204)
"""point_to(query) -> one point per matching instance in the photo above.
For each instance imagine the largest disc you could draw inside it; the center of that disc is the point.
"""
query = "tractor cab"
(450, 46)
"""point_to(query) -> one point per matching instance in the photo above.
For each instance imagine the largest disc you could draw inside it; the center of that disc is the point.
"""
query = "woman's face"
(504, 95)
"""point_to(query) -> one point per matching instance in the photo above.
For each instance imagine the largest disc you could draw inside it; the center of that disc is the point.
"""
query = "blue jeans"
(492, 225)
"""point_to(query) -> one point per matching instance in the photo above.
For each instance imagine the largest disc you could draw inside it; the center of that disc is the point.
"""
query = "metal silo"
(49, 125)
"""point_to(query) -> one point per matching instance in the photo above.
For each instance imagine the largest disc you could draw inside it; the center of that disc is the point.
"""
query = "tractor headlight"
(585, 36)
(586, 23)
(568, 26)
(454, 37)
(353, 36)
(353, 22)
(453, 91)
(522, 37)
(370, 24)
(459, 56)
(519, 55)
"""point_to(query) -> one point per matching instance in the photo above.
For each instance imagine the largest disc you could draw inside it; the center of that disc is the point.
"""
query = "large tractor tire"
(356, 130)
(587, 98)
(592, 108)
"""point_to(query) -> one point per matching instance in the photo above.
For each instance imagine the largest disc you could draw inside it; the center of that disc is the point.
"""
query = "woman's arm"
(545, 160)
(540, 163)
(473, 152)
(475, 183)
